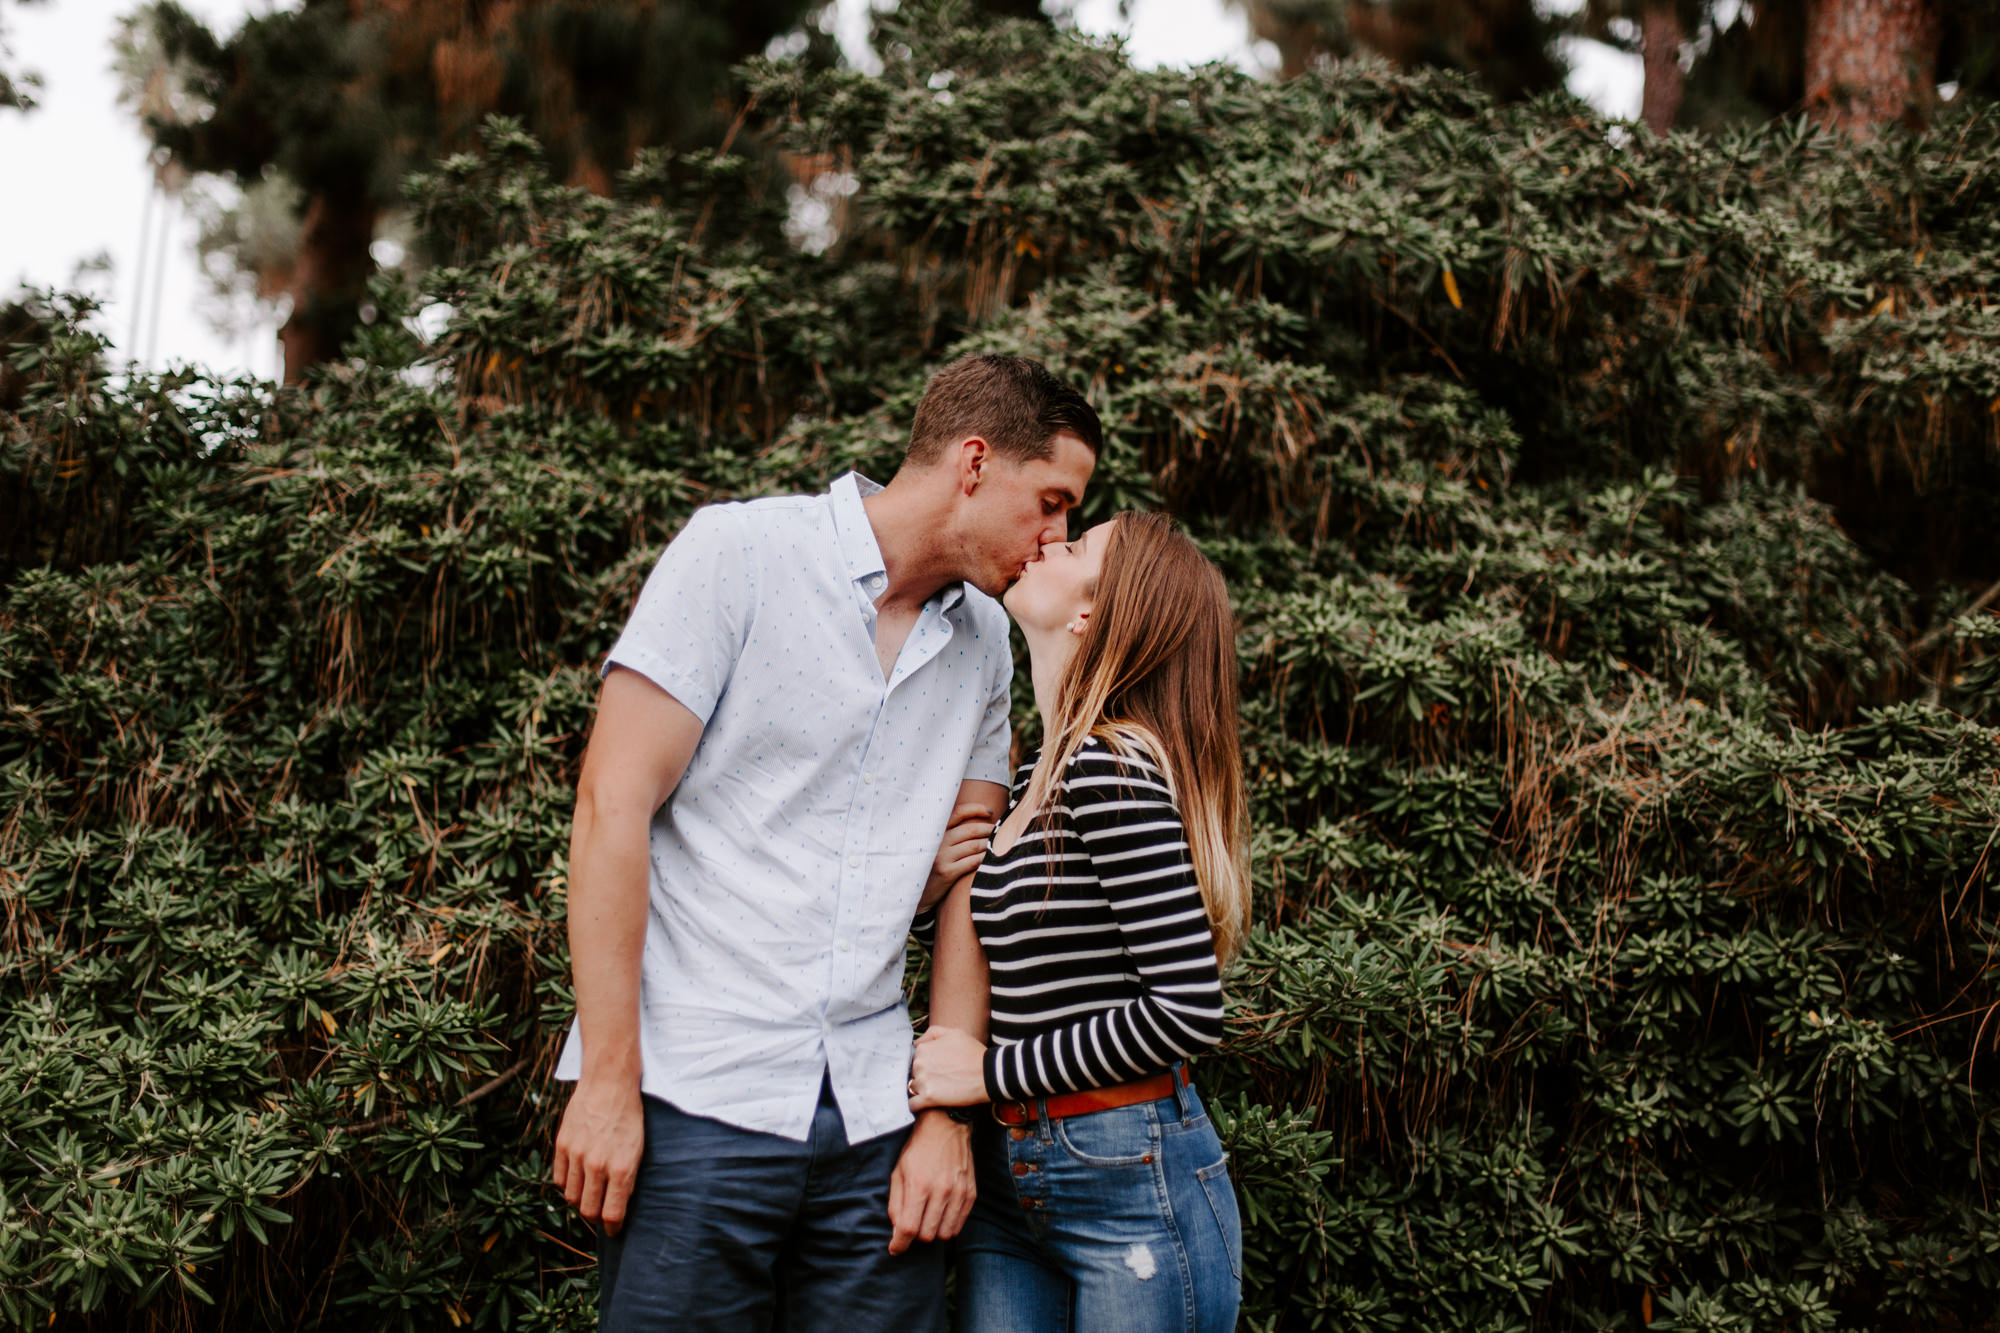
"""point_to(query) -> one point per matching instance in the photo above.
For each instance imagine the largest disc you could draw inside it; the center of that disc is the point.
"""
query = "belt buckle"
(1001, 1110)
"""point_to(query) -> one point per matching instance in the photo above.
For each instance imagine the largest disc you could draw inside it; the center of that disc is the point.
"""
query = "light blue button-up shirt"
(788, 862)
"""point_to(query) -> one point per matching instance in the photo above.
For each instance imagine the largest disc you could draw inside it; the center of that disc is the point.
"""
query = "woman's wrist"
(989, 1072)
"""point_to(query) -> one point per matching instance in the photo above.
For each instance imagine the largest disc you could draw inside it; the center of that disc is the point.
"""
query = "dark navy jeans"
(1119, 1221)
(730, 1229)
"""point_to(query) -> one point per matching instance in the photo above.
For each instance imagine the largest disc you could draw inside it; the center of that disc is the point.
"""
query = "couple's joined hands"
(947, 1069)
(931, 1193)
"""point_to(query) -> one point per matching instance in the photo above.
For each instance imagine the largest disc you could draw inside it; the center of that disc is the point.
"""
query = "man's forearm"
(959, 994)
(607, 935)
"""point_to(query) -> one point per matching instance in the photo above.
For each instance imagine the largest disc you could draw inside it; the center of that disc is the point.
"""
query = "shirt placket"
(854, 849)
(928, 638)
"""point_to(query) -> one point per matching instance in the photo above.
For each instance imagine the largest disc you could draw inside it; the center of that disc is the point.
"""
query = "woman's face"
(1057, 589)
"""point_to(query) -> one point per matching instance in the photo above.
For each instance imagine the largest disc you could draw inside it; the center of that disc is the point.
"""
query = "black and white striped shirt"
(1102, 965)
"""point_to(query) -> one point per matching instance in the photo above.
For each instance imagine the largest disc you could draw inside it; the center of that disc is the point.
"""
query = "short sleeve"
(693, 615)
(989, 750)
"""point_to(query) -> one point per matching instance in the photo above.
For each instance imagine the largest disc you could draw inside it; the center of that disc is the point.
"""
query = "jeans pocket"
(1222, 1201)
(1123, 1137)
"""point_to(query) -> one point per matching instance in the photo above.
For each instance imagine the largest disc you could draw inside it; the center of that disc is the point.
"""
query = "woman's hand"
(949, 1070)
(963, 848)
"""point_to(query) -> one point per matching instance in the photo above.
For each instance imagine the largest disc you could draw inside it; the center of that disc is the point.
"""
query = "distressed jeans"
(733, 1231)
(1120, 1221)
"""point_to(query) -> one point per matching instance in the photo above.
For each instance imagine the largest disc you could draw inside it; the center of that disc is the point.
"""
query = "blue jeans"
(1120, 1221)
(730, 1229)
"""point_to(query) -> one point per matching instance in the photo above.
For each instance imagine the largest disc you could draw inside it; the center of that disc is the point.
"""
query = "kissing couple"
(800, 755)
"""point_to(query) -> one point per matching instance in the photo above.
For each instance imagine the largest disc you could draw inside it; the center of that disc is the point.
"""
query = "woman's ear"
(1079, 622)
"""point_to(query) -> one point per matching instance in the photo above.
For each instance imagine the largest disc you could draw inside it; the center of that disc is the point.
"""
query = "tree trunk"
(1660, 47)
(1869, 62)
(1300, 39)
(329, 278)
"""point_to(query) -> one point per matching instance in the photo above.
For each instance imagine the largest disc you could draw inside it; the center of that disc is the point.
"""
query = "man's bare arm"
(959, 995)
(638, 750)
(931, 1193)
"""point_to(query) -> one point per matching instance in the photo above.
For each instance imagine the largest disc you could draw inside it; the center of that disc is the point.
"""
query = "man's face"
(1019, 507)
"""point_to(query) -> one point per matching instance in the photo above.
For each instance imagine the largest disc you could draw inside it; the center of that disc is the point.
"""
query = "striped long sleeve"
(1102, 964)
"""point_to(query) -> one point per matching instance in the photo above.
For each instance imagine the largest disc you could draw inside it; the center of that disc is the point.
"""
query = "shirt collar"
(856, 535)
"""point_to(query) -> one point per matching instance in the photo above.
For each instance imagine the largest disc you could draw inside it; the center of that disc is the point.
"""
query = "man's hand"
(597, 1149)
(963, 848)
(931, 1191)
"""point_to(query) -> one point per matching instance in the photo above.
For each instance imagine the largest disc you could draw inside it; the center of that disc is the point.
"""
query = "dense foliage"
(1624, 811)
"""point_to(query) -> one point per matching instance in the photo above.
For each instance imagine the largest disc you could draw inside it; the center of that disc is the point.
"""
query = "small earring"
(1074, 627)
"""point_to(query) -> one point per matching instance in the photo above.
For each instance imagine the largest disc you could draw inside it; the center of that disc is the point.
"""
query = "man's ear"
(975, 456)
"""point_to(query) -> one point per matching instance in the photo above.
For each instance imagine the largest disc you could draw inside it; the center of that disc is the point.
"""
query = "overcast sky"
(83, 220)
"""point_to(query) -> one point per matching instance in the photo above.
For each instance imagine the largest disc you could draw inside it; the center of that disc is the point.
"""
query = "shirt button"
(875, 582)
(854, 861)
(868, 779)
(842, 945)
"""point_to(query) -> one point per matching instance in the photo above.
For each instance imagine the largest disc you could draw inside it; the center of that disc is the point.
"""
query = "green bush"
(1624, 826)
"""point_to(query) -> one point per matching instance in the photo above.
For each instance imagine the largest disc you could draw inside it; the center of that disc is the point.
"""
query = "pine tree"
(17, 87)
(1872, 62)
(1504, 43)
(1851, 64)
(338, 100)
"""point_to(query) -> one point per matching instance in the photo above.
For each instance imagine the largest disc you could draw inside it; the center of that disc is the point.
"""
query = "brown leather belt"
(1094, 1099)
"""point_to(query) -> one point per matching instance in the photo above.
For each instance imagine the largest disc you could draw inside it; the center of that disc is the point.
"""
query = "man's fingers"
(902, 1228)
(559, 1168)
(590, 1200)
(934, 1212)
(617, 1191)
(961, 1209)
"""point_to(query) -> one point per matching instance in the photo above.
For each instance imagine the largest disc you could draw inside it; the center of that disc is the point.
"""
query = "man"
(805, 693)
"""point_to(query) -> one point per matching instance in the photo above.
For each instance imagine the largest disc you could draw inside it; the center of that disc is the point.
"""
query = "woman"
(1109, 896)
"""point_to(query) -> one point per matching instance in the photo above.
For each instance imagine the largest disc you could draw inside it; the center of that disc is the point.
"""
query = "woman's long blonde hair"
(1155, 672)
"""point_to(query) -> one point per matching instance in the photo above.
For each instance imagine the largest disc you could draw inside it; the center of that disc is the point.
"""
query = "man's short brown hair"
(1011, 402)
